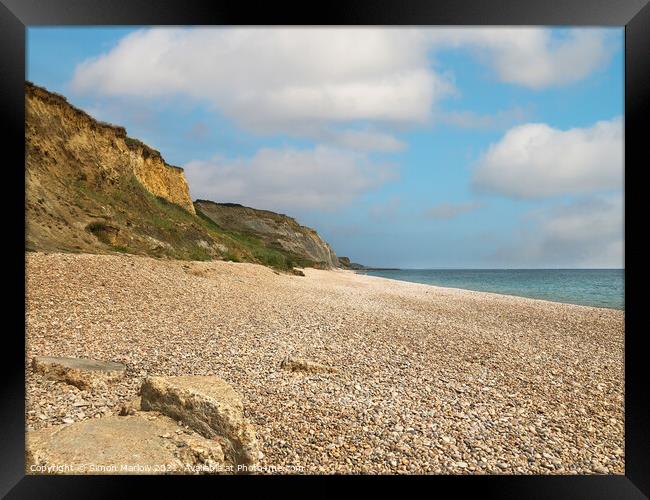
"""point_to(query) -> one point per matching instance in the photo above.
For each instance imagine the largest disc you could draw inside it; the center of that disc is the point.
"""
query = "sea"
(588, 287)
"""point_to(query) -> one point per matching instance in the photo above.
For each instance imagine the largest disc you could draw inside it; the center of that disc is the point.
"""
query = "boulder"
(136, 444)
(210, 407)
(80, 372)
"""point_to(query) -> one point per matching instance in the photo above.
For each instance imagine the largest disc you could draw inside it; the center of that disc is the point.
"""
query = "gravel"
(428, 379)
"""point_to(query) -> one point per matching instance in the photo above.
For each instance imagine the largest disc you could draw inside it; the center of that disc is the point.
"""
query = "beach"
(427, 380)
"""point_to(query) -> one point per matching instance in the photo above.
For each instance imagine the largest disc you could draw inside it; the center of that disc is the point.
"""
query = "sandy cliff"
(93, 189)
(65, 140)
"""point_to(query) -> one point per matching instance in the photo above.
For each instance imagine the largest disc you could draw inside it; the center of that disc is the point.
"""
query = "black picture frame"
(634, 15)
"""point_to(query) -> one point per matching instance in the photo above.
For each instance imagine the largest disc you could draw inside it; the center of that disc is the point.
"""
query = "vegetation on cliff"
(269, 230)
(93, 189)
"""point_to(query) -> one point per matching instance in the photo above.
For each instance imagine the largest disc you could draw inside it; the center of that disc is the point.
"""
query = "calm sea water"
(589, 287)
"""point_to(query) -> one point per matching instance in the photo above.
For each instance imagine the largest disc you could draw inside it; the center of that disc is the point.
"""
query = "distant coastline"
(378, 269)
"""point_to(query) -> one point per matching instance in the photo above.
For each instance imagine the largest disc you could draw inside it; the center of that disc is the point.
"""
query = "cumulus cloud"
(287, 179)
(532, 57)
(296, 79)
(585, 233)
(348, 89)
(269, 78)
(535, 160)
(447, 211)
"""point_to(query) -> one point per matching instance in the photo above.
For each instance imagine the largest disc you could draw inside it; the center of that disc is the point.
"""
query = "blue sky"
(420, 148)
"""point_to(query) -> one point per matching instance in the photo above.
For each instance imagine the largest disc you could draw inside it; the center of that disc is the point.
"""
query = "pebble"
(412, 362)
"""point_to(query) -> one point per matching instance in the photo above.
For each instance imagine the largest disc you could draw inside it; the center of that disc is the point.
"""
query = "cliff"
(72, 142)
(91, 188)
(275, 230)
(345, 263)
(159, 178)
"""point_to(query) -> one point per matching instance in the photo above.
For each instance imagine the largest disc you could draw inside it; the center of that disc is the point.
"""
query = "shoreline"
(622, 309)
(429, 379)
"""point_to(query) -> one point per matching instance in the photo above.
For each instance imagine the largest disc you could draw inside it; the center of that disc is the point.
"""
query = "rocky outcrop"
(345, 263)
(95, 151)
(304, 366)
(90, 188)
(159, 178)
(185, 424)
(144, 443)
(275, 230)
(82, 373)
(209, 406)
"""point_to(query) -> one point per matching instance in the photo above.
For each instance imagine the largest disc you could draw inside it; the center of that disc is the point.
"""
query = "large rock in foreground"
(80, 372)
(138, 444)
(209, 406)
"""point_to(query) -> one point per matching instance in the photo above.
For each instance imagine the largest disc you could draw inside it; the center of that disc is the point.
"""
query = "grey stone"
(121, 445)
(83, 364)
(82, 373)
(304, 365)
(209, 406)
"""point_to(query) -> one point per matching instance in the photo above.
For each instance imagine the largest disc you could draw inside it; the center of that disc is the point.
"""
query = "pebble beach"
(421, 379)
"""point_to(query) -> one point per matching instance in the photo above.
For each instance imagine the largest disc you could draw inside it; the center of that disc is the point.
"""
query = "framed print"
(370, 243)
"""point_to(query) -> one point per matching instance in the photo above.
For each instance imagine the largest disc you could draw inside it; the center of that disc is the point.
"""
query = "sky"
(450, 147)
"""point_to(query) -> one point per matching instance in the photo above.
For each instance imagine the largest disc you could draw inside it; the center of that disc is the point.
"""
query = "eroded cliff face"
(65, 140)
(91, 188)
(275, 230)
(161, 179)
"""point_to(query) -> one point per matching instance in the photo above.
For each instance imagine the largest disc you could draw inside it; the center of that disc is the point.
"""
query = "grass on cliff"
(263, 254)
(181, 234)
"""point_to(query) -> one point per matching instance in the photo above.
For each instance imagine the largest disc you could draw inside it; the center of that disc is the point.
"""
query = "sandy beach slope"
(429, 379)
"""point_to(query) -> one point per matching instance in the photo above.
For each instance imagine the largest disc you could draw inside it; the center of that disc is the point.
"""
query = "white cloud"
(535, 160)
(585, 233)
(348, 89)
(447, 211)
(284, 77)
(287, 179)
(297, 79)
(532, 57)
